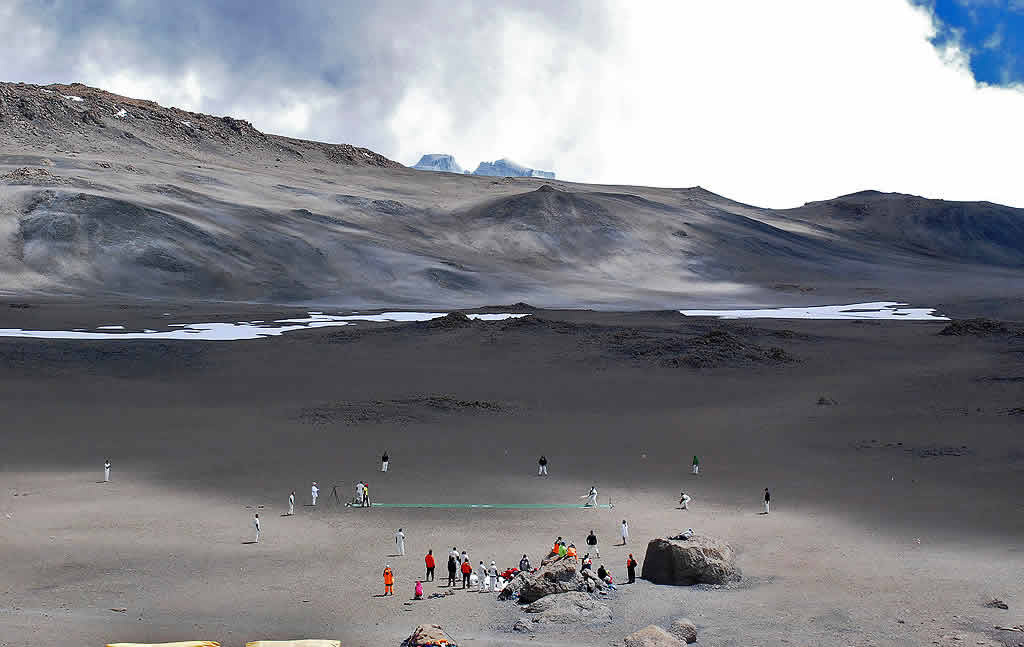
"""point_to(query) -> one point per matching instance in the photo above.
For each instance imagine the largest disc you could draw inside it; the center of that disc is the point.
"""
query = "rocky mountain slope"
(107, 195)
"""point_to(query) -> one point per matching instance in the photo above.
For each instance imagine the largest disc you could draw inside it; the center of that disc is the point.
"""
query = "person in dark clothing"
(592, 542)
(452, 567)
(524, 564)
(602, 572)
(384, 462)
(767, 501)
(631, 568)
(542, 469)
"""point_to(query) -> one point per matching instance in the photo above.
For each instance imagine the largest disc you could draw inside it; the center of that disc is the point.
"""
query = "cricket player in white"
(106, 471)
(359, 493)
(315, 492)
(291, 503)
(684, 500)
(625, 532)
(592, 497)
(256, 523)
(400, 541)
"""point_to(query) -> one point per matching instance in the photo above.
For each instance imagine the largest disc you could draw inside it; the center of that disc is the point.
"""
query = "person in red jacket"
(389, 581)
(631, 568)
(467, 570)
(429, 560)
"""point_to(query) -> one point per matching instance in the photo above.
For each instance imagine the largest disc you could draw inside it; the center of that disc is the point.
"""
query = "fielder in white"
(359, 493)
(625, 532)
(684, 500)
(106, 471)
(400, 541)
(592, 497)
(492, 577)
(256, 524)
(291, 503)
(315, 492)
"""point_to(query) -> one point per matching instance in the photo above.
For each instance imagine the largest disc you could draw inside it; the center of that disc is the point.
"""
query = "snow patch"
(877, 310)
(72, 97)
(46, 91)
(121, 114)
(238, 331)
(187, 124)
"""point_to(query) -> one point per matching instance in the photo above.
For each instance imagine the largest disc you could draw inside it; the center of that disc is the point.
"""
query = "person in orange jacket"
(389, 581)
(429, 560)
(631, 568)
(467, 570)
(571, 551)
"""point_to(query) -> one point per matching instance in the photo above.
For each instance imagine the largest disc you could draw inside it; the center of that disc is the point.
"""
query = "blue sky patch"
(991, 32)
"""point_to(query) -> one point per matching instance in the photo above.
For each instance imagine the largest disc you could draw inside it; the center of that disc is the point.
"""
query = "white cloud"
(769, 103)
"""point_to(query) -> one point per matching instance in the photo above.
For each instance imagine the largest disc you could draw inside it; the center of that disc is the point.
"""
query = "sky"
(770, 103)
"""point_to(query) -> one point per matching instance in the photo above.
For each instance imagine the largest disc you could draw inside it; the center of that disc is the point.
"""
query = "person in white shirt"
(485, 579)
(492, 576)
(592, 497)
(684, 500)
(454, 553)
(464, 557)
(256, 523)
(106, 471)
(400, 541)
(359, 493)
(291, 503)
(315, 492)
(625, 532)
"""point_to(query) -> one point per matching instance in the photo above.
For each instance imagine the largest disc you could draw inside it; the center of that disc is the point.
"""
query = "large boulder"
(699, 560)
(569, 608)
(684, 630)
(429, 636)
(652, 636)
(556, 576)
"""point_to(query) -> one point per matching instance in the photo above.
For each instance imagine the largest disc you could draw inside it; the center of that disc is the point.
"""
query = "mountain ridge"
(145, 206)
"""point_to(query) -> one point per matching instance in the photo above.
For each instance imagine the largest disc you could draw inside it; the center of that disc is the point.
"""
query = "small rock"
(652, 636)
(996, 603)
(522, 626)
(119, 609)
(684, 630)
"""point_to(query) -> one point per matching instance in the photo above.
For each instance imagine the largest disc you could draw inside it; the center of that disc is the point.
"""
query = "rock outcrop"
(507, 168)
(429, 636)
(438, 162)
(700, 560)
(555, 576)
(651, 636)
(569, 608)
(684, 630)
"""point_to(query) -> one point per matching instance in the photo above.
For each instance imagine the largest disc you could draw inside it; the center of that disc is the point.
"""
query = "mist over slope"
(106, 195)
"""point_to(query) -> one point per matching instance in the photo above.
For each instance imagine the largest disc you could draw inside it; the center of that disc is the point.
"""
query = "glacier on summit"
(438, 162)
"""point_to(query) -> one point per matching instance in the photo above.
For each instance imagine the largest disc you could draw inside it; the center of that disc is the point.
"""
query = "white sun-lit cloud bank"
(240, 330)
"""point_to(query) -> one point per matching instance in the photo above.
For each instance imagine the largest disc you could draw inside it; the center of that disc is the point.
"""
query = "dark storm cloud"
(349, 62)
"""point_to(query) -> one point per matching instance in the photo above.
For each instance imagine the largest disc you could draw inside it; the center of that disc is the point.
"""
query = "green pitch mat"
(499, 506)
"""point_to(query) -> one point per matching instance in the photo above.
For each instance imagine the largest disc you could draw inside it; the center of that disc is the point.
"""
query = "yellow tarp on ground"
(294, 643)
(187, 643)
